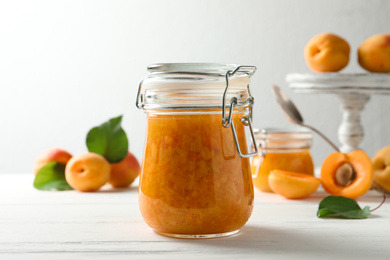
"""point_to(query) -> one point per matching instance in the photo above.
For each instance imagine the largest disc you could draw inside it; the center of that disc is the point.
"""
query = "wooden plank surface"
(107, 224)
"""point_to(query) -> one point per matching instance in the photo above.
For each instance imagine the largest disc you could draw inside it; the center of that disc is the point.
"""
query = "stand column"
(351, 130)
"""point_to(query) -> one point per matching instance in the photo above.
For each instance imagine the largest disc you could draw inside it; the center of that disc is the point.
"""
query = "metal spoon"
(293, 114)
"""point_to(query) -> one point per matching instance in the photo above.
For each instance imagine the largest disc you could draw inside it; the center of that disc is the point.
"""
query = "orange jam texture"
(298, 161)
(192, 179)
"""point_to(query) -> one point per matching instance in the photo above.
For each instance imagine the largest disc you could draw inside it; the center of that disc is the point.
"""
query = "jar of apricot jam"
(195, 179)
(281, 149)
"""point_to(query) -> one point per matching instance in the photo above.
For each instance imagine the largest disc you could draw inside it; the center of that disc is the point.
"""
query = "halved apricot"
(347, 174)
(292, 185)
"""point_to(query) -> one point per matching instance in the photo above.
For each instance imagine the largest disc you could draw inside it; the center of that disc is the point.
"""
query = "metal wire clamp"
(246, 120)
(263, 146)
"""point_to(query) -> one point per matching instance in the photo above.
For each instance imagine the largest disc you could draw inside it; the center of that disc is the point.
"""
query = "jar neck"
(203, 93)
(287, 139)
(203, 111)
(288, 150)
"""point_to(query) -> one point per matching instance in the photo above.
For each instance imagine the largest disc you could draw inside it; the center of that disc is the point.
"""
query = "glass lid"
(194, 86)
(216, 69)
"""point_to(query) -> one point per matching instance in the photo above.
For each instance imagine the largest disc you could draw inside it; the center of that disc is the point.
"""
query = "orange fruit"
(292, 185)
(353, 185)
(327, 52)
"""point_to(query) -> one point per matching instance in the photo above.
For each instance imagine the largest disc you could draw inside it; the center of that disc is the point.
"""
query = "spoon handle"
(323, 136)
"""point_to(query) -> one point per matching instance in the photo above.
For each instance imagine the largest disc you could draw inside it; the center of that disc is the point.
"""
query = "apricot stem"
(383, 201)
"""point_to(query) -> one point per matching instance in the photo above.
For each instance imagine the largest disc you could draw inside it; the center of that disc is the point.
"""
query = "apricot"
(327, 52)
(381, 169)
(292, 185)
(374, 53)
(349, 175)
(124, 172)
(51, 155)
(87, 172)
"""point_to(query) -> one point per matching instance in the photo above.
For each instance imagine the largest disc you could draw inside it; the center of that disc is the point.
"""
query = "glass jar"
(281, 149)
(195, 179)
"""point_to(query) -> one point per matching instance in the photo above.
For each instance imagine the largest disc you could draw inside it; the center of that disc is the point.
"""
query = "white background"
(66, 66)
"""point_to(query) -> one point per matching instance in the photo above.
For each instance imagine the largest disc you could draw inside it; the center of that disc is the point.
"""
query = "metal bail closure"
(263, 151)
(139, 102)
(246, 120)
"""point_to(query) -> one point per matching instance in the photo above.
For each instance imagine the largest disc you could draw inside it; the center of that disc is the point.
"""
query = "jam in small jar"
(285, 149)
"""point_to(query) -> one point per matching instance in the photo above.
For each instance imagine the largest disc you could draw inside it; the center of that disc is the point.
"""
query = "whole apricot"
(381, 169)
(347, 174)
(51, 155)
(124, 172)
(327, 52)
(292, 185)
(374, 53)
(87, 172)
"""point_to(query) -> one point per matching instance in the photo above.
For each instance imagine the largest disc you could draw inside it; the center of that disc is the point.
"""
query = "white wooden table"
(108, 225)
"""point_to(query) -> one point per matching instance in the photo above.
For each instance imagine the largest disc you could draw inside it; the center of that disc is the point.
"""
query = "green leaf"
(341, 207)
(51, 177)
(109, 140)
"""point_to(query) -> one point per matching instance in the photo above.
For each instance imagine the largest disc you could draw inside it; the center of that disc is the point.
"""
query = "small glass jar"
(195, 179)
(281, 149)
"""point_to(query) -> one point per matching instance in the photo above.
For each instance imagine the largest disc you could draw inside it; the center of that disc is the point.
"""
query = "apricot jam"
(282, 149)
(195, 182)
(192, 179)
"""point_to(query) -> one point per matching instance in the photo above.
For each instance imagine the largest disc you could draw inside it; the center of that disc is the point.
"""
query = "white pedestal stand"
(353, 92)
